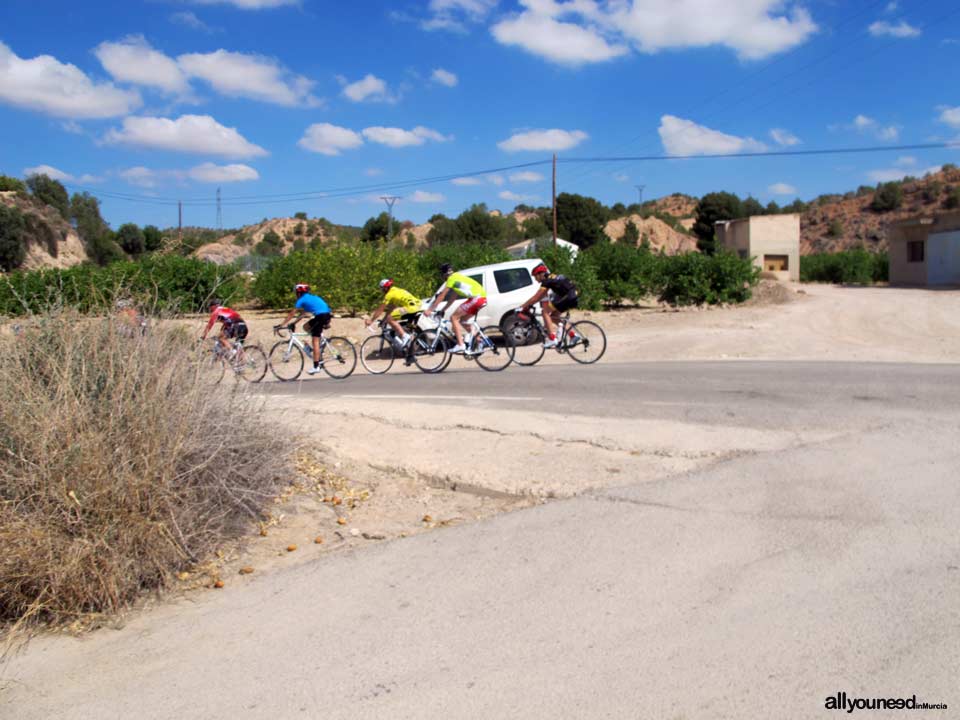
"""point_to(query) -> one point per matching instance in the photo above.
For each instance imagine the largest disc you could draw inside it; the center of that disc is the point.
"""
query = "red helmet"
(386, 284)
(301, 288)
(541, 268)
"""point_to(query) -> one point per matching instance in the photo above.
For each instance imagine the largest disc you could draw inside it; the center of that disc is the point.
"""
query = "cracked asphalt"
(773, 533)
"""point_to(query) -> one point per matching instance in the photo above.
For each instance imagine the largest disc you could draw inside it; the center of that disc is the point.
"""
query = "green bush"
(10, 184)
(165, 283)
(625, 272)
(855, 267)
(580, 269)
(836, 228)
(695, 279)
(13, 248)
(889, 196)
(952, 201)
(50, 192)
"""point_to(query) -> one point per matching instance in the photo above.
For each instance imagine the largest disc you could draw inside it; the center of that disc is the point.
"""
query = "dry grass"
(119, 466)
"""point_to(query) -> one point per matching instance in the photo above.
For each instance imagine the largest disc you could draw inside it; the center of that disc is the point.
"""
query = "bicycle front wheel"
(430, 352)
(286, 363)
(585, 342)
(338, 357)
(527, 343)
(213, 367)
(252, 365)
(377, 354)
(496, 350)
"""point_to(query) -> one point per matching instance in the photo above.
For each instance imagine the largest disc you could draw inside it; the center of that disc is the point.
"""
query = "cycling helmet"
(215, 303)
(301, 288)
(446, 269)
(541, 268)
(386, 284)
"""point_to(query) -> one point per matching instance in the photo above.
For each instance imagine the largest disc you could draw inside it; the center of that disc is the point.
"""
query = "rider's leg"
(397, 328)
(550, 317)
(457, 327)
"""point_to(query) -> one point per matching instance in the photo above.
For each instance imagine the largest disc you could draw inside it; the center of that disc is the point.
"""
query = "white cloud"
(581, 31)
(906, 161)
(455, 15)
(514, 197)
(467, 181)
(199, 134)
(426, 197)
(250, 76)
(868, 126)
(950, 116)
(369, 89)
(782, 189)
(497, 180)
(553, 140)
(685, 137)
(784, 138)
(526, 176)
(891, 7)
(248, 4)
(373, 172)
(328, 139)
(132, 60)
(561, 42)
(141, 176)
(48, 170)
(398, 137)
(898, 173)
(444, 77)
(902, 29)
(190, 20)
(46, 85)
(210, 173)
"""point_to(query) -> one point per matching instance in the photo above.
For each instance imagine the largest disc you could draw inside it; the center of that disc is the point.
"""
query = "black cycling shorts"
(236, 331)
(567, 302)
(316, 326)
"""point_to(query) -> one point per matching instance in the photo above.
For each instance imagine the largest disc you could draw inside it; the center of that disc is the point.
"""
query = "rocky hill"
(50, 240)
(841, 222)
(655, 231)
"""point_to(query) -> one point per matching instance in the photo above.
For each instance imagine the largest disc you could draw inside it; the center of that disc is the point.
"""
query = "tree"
(631, 234)
(772, 208)
(797, 206)
(152, 238)
(580, 219)
(712, 208)
(476, 225)
(95, 233)
(932, 191)
(618, 210)
(751, 207)
(10, 184)
(376, 228)
(889, 196)
(130, 238)
(270, 244)
(50, 192)
(952, 201)
(443, 232)
(300, 215)
(103, 248)
(13, 248)
(535, 227)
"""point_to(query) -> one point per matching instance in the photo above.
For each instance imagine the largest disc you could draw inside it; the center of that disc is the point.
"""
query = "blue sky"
(160, 100)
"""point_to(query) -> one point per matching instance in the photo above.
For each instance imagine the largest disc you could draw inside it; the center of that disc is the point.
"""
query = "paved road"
(754, 588)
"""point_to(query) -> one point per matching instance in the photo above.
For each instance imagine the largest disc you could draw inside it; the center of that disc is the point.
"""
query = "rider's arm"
(213, 319)
(536, 296)
(290, 314)
(384, 308)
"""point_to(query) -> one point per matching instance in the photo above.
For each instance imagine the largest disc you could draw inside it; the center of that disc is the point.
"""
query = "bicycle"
(246, 361)
(379, 351)
(491, 348)
(584, 341)
(338, 356)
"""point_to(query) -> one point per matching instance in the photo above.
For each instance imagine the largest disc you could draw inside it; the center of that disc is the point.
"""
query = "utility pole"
(554, 199)
(219, 212)
(180, 222)
(640, 193)
(390, 200)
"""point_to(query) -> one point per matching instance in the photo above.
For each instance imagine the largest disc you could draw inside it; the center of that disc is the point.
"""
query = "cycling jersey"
(465, 286)
(225, 315)
(560, 285)
(404, 301)
(312, 304)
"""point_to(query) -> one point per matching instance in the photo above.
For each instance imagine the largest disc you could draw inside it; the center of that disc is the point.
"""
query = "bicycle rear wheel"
(587, 343)
(252, 365)
(286, 363)
(496, 351)
(430, 352)
(338, 357)
(527, 343)
(377, 354)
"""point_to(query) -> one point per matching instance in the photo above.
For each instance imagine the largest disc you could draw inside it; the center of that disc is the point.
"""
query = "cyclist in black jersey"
(561, 295)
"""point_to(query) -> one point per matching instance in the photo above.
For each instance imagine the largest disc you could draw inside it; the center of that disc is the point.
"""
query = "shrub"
(152, 238)
(300, 216)
(836, 228)
(952, 200)
(13, 249)
(856, 267)
(110, 493)
(695, 279)
(631, 234)
(10, 184)
(933, 190)
(889, 196)
(50, 192)
(131, 239)
(625, 272)
(270, 244)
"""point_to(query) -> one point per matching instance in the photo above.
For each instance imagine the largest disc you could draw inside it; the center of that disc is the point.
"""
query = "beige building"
(773, 241)
(925, 250)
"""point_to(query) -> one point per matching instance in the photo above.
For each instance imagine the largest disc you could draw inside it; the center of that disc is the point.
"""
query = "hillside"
(832, 222)
(50, 240)
(655, 231)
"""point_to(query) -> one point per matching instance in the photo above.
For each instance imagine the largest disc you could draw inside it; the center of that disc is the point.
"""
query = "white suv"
(508, 285)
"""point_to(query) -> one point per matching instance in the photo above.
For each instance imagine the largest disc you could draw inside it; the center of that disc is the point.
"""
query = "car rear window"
(512, 279)
(478, 278)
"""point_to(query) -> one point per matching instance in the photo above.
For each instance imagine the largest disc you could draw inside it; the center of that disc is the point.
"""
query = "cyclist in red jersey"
(232, 325)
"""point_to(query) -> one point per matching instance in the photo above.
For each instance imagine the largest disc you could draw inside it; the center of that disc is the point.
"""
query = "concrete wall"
(734, 235)
(941, 255)
(777, 235)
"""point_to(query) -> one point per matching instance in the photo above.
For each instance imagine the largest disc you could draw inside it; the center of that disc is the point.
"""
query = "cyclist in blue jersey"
(317, 306)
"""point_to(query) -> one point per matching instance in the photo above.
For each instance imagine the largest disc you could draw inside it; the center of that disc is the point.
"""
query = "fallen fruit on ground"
(246, 570)
(291, 548)
(318, 540)
(341, 521)
(218, 584)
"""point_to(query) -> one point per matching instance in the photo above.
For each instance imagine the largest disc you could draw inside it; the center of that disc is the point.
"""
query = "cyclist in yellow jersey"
(397, 302)
(456, 286)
